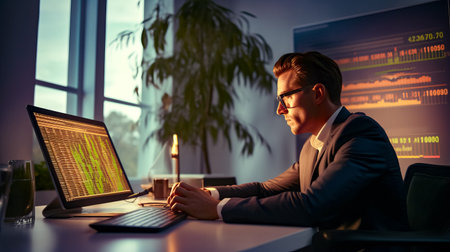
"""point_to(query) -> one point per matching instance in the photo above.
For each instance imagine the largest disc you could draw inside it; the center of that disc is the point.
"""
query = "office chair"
(428, 206)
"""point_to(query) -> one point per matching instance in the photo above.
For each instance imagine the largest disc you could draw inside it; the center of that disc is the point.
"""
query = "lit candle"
(176, 156)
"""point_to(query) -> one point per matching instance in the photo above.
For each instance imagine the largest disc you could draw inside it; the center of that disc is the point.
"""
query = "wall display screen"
(395, 66)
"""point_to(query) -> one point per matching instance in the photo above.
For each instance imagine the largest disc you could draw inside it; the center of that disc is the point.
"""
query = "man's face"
(300, 111)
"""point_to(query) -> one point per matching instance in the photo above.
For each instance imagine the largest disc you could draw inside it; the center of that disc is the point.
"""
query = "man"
(347, 175)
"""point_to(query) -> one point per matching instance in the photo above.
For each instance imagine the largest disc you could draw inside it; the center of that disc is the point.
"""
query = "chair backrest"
(428, 196)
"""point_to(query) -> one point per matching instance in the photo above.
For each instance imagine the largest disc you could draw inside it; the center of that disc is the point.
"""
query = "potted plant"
(213, 53)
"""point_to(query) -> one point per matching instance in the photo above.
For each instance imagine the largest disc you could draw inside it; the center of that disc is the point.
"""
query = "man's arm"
(201, 203)
(286, 181)
(353, 163)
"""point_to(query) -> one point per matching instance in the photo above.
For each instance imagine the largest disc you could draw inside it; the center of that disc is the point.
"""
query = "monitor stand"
(55, 210)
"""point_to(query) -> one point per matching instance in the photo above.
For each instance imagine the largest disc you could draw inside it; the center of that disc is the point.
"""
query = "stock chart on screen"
(85, 162)
(395, 67)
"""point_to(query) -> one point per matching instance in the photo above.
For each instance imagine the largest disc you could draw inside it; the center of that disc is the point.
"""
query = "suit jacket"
(354, 183)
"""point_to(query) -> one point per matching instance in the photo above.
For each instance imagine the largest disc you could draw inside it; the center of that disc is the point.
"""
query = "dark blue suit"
(354, 183)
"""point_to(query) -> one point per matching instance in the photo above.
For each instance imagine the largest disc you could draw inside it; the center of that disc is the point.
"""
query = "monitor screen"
(396, 69)
(81, 157)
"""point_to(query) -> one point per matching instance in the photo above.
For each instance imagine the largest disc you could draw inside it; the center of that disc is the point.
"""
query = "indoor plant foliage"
(213, 53)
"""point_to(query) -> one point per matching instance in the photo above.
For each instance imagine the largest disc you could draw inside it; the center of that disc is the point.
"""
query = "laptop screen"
(81, 157)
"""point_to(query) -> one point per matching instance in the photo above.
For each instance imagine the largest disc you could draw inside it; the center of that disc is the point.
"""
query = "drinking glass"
(20, 208)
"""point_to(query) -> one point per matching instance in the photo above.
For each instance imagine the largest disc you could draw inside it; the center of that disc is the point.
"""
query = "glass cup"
(5, 185)
(20, 208)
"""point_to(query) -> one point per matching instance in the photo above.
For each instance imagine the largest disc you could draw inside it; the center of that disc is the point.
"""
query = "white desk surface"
(74, 234)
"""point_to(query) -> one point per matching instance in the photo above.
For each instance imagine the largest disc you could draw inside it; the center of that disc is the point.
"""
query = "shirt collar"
(318, 141)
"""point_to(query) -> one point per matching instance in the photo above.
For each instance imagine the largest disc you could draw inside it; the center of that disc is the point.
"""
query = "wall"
(275, 22)
(17, 71)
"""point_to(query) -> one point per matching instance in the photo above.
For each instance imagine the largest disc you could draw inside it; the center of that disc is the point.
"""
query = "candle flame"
(175, 145)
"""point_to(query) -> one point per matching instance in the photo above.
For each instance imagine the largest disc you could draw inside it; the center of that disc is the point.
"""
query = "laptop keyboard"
(146, 219)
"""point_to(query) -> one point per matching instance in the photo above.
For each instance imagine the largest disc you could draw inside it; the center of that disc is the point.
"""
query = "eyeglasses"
(281, 96)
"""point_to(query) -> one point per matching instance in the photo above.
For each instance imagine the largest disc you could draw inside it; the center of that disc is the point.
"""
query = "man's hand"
(194, 201)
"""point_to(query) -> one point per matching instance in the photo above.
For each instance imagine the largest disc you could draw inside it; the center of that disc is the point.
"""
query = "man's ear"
(320, 93)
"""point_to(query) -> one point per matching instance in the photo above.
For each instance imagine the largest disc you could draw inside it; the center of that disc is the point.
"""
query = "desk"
(74, 234)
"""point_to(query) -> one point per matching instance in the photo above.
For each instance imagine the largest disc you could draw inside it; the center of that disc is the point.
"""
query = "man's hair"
(312, 68)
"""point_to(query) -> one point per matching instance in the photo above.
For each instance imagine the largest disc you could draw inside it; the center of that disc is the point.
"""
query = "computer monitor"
(81, 157)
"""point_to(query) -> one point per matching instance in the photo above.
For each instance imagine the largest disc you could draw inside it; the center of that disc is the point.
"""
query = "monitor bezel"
(78, 202)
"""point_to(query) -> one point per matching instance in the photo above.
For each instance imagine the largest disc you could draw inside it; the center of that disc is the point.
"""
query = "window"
(122, 58)
(52, 54)
(122, 123)
(121, 107)
(72, 76)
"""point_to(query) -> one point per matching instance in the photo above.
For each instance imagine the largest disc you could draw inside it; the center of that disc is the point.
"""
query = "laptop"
(87, 171)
